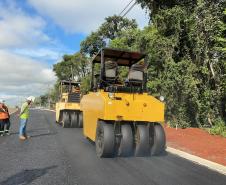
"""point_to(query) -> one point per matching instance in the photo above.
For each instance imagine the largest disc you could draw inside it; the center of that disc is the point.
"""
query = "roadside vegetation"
(219, 128)
(185, 44)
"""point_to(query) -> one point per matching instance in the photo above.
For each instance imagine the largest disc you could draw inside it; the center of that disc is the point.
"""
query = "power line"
(126, 7)
(129, 9)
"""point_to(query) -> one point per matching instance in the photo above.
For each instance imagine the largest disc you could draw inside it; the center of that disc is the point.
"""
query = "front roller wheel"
(74, 119)
(66, 120)
(80, 120)
(126, 143)
(105, 139)
(142, 147)
(159, 140)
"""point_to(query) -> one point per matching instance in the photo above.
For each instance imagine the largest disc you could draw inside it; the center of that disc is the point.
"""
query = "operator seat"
(136, 75)
(111, 70)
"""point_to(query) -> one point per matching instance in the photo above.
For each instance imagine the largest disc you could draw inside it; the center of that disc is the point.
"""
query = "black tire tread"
(142, 148)
(74, 119)
(159, 140)
(126, 144)
(65, 119)
(108, 142)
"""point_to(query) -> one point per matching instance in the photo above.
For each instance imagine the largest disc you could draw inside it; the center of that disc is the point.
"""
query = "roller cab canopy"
(68, 82)
(109, 63)
(68, 86)
(122, 57)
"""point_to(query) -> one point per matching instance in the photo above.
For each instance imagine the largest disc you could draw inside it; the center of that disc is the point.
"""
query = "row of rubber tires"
(138, 140)
(71, 119)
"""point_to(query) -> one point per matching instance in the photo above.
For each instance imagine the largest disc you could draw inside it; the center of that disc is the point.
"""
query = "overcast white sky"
(34, 34)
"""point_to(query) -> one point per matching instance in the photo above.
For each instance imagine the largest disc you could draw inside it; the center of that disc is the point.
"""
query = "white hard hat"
(31, 98)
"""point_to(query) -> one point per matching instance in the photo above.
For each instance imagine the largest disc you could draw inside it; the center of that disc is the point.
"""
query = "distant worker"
(7, 124)
(4, 116)
(24, 115)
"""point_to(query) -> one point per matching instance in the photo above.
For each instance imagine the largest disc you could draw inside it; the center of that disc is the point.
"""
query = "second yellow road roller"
(118, 113)
(68, 112)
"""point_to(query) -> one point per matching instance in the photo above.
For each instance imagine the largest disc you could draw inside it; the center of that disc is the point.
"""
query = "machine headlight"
(111, 95)
(161, 98)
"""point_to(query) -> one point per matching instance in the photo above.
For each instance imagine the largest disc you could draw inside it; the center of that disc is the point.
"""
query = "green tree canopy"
(110, 29)
(186, 63)
(76, 65)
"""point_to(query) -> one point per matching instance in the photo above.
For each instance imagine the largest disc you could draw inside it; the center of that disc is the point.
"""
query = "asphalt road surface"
(57, 156)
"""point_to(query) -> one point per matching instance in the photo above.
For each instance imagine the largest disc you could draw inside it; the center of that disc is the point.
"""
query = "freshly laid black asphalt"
(57, 156)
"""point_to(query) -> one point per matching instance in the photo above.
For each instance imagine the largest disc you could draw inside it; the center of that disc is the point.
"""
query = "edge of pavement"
(198, 160)
(209, 164)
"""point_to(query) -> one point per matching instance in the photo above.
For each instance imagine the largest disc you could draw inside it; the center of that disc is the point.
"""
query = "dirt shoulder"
(198, 142)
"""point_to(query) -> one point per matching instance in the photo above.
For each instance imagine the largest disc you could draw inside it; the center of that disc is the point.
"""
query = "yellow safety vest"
(25, 111)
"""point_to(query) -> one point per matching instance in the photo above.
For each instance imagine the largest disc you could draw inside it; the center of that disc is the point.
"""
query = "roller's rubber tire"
(159, 140)
(74, 120)
(142, 144)
(126, 143)
(66, 120)
(105, 139)
(80, 120)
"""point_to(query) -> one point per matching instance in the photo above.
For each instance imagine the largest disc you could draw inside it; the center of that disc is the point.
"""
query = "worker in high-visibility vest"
(24, 115)
(4, 115)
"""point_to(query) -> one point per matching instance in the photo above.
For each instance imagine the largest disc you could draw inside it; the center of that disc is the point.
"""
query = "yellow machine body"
(131, 107)
(63, 104)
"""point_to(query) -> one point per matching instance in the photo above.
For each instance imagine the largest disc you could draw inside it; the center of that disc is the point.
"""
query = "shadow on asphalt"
(26, 176)
(40, 135)
(14, 133)
(164, 153)
(37, 129)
